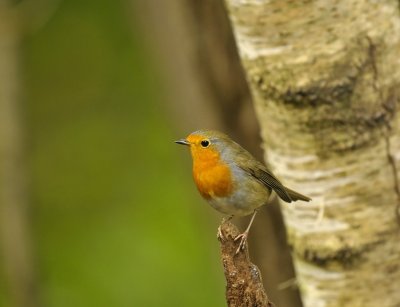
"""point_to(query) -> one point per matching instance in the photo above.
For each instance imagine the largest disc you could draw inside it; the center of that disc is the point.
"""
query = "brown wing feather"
(249, 164)
(270, 181)
(256, 169)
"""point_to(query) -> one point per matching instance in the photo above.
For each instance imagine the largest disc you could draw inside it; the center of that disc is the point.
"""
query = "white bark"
(325, 77)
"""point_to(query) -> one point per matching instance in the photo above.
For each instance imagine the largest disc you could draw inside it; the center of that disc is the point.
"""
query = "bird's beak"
(182, 142)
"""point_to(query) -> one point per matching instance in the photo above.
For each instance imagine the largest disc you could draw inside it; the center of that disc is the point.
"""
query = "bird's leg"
(220, 235)
(243, 236)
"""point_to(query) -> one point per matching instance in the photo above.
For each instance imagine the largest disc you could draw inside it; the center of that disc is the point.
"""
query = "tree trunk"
(325, 80)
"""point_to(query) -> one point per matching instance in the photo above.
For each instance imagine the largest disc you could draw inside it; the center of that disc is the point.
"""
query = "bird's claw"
(243, 241)
(220, 234)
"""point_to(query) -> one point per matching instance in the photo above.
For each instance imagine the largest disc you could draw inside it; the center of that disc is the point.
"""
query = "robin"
(231, 179)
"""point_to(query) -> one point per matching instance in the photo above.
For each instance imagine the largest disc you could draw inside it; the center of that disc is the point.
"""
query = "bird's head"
(205, 145)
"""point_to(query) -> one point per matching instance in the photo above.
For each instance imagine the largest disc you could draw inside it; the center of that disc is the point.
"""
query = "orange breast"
(212, 177)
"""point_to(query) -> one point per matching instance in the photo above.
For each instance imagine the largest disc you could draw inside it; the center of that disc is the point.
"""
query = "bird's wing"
(249, 164)
(270, 181)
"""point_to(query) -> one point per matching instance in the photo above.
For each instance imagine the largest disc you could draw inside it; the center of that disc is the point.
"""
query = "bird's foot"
(243, 241)
(220, 234)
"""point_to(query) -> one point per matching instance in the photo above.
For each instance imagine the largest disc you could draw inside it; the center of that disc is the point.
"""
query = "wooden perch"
(244, 286)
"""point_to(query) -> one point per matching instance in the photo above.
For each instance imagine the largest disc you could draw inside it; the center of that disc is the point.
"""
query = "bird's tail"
(297, 196)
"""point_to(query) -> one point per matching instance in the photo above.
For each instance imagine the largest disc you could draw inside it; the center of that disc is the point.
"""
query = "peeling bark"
(325, 77)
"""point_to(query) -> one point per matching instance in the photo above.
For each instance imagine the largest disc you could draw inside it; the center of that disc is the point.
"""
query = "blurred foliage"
(116, 218)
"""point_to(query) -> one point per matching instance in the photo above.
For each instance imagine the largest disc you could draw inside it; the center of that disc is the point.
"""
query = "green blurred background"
(115, 217)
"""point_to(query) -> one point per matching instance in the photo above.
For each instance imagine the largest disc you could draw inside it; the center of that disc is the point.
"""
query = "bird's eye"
(204, 143)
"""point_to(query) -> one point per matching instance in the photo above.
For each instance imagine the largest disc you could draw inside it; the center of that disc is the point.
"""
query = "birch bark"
(325, 78)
